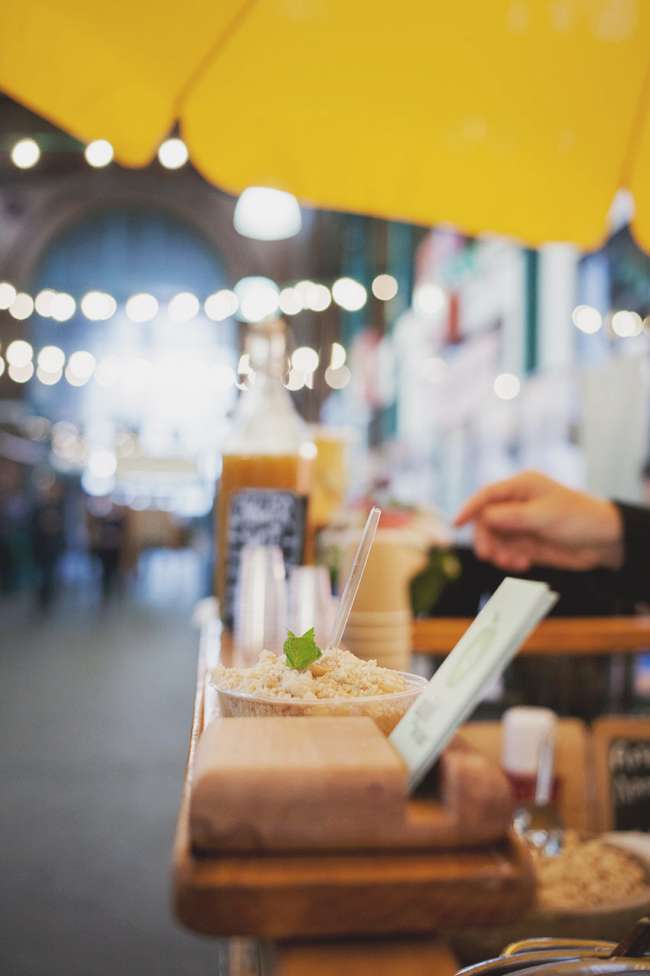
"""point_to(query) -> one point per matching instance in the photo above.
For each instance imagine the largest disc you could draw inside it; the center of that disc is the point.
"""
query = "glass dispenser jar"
(265, 478)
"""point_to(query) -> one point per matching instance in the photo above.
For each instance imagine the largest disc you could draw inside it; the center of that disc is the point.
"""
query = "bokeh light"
(385, 287)
(19, 353)
(339, 378)
(51, 359)
(98, 306)
(183, 307)
(305, 359)
(25, 154)
(587, 318)
(173, 154)
(349, 294)
(626, 324)
(98, 153)
(258, 298)
(22, 306)
(7, 295)
(141, 307)
(507, 386)
(63, 307)
(429, 298)
(21, 374)
(221, 305)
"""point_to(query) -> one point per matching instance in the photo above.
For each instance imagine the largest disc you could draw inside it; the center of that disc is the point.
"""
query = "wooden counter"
(306, 896)
(559, 635)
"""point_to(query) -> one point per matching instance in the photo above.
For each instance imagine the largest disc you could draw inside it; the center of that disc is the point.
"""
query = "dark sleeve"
(633, 578)
(582, 594)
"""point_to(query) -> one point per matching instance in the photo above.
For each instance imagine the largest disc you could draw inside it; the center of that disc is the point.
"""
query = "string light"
(337, 356)
(302, 290)
(98, 153)
(349, 294)
(98, 306)
(22, 306)
(290, 302)
(385, 287)
(48, 379)
(587, 318)
(142, 307)
(63, 307)
(81, 366)
(221, 305)
(305, 359)
(138, 372)
(295, 380)
(339, 378)
(626, 324)
(183, 307)
(507, 386)
(258, 298)
(429, 298)
(7, 295)
(51, 359)
(21, 374)
(19, 353)
(173, 154)
(24, 155)
(43, 302)
(319, 298)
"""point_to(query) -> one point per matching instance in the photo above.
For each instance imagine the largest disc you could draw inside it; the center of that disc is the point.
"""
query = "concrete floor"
(94, 717)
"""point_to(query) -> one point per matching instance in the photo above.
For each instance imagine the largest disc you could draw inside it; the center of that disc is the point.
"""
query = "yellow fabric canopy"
(520, 117)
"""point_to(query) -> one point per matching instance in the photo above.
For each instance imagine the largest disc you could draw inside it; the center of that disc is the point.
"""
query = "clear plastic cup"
(385, 710)
(260, 603)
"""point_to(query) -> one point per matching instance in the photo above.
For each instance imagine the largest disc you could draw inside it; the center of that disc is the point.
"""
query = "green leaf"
(427, 586)
(302, 651)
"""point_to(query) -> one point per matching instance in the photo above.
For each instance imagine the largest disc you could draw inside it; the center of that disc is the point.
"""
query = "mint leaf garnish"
(302, 651)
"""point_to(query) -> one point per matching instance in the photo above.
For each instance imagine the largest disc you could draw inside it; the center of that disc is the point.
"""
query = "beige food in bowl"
(589, 873)
(338, 683)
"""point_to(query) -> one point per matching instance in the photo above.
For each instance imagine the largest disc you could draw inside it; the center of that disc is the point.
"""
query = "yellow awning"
(520, 117)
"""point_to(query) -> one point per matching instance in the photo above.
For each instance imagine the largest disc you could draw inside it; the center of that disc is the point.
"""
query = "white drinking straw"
(354, 577)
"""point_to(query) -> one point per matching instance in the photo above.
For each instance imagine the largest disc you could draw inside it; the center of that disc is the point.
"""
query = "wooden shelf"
(560, 635)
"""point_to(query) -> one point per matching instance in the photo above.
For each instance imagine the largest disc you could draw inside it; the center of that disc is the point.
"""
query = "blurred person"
(530, 519)
(15, 537)
(106, 534)
(48, 537)
(6, 560)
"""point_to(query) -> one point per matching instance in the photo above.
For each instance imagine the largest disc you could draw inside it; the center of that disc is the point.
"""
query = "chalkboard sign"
(264, 517)
(622, 755)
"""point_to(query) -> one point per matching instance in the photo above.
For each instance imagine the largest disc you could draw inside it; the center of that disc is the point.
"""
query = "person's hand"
(531, 519)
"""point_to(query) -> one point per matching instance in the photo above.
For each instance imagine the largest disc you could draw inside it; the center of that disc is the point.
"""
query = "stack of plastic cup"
(260, 603)
(380, 635)
(379, 626)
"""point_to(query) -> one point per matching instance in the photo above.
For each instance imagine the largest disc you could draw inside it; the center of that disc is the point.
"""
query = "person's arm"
(532, 520)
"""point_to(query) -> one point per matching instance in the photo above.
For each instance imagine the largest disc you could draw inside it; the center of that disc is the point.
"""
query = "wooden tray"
(300, 895)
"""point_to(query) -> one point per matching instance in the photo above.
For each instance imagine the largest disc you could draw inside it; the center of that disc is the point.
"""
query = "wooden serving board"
(287, 896)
